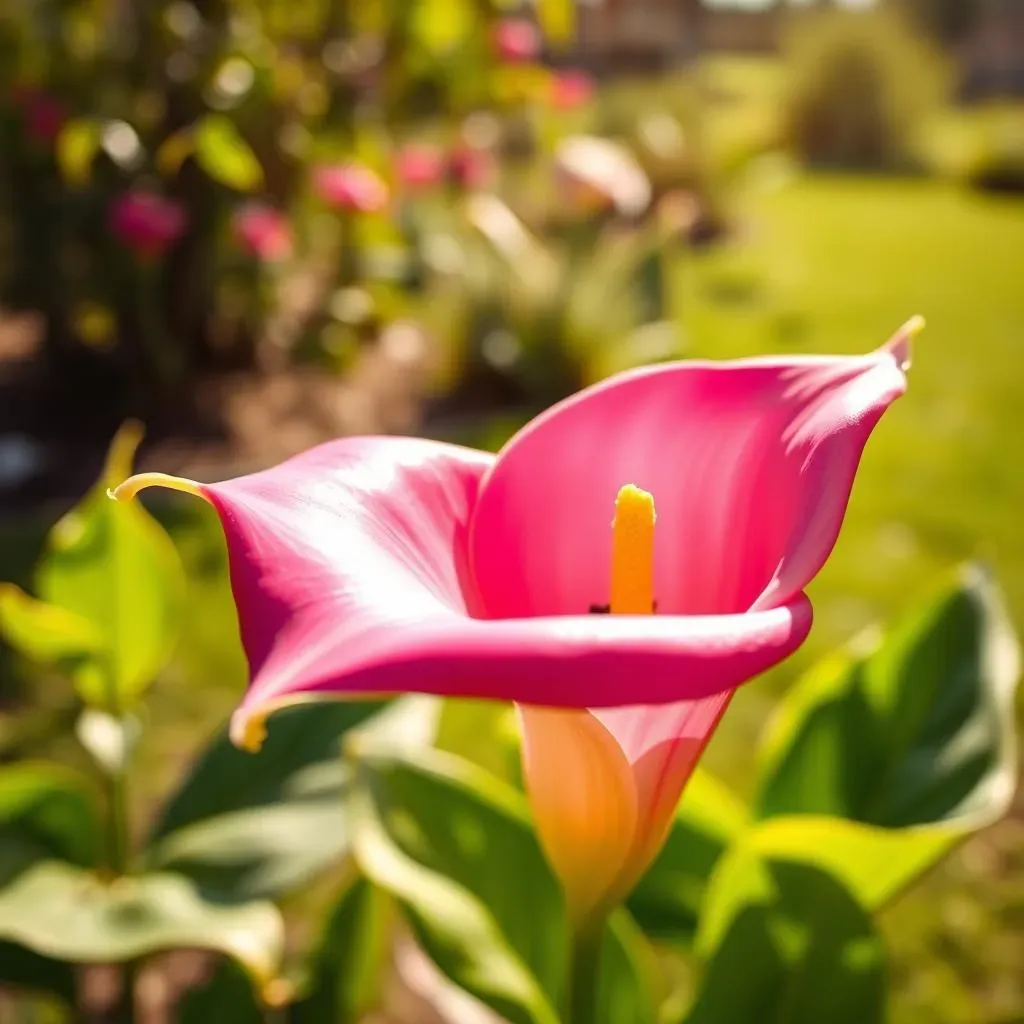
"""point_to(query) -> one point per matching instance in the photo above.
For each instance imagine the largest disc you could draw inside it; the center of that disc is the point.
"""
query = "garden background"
(253, 225)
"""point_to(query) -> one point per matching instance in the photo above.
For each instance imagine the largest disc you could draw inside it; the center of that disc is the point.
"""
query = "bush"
(861, 84)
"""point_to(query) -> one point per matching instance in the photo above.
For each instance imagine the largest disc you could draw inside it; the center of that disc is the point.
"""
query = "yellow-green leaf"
(113, 566)
(225, 155)
(77, 145)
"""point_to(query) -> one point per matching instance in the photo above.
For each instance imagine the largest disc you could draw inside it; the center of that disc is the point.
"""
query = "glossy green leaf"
(874, 863)
(785, 941)
(917, 732)
(346, 968)
(260, 825)
(225, 156)
(46, 812)
(113, 566)
(668, 898)
(77, 146)
(455, 848)
(64, 912)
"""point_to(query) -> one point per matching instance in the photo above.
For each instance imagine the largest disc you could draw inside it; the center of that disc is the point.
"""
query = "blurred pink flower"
(44, 115)
(263, 232)
(472, 167)
(420, 166)
(571, 90)
(147, 222)
(517, 40)
(351, 186)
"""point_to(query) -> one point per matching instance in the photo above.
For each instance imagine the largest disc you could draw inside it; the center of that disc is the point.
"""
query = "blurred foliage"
(982, 147)
(861, 83)
(875, 766)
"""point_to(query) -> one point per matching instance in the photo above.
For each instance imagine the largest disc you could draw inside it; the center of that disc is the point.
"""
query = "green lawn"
(836, 265)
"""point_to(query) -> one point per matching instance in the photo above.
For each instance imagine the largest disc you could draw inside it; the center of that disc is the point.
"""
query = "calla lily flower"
(379, 565)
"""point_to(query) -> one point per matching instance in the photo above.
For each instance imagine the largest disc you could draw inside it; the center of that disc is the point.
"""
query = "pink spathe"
(381, 565)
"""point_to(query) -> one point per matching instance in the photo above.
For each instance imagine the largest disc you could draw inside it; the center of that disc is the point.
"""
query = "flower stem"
(584, 964)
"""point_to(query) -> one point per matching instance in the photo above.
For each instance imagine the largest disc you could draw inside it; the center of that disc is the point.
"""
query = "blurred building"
(652, 35)
(992, 54)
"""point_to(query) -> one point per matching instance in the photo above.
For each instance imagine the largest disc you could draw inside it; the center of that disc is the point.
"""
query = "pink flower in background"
(472, 167)
(351, 186)
(263, 231)
(517, 40)
(571, 90)
(44, 114)
(420, 166)
(147, 222)
(377, 565)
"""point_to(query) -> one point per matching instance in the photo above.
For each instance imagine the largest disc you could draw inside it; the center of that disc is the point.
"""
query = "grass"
(825, 264)
(836, 265)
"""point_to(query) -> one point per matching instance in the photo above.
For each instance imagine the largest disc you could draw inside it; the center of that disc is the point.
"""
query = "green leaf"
(557, 19)
(875, 864)
(668, 898)
(225, 156)
(786, 942)
(260, 825)
(484, 732)
(64, 912)
(46, 812)
(20, 968)
(226, 997)
(113, 566)
(347, 966)
(918, 732)
(624, 994)
(51, 635)
(441, 26)
(455, 848)
(77, 146)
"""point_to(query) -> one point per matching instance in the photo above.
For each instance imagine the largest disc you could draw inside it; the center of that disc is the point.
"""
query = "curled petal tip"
(900, 344)
(131, 487)
(249, 732)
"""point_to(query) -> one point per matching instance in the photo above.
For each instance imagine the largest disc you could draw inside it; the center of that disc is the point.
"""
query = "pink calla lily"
(379, 565)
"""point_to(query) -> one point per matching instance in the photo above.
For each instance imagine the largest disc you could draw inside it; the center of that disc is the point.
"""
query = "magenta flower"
(472, 167)
(263, 232)
(571, 90)
(147, 222)
(44, 115)
(516, 40)
(378, 565)
(351, 186)
(419, 166)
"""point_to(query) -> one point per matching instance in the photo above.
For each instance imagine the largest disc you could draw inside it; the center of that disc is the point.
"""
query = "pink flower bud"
(147, 222)
(263, 232)
(571, 90)
(351, 186)
(517, 41)
(419, 166)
